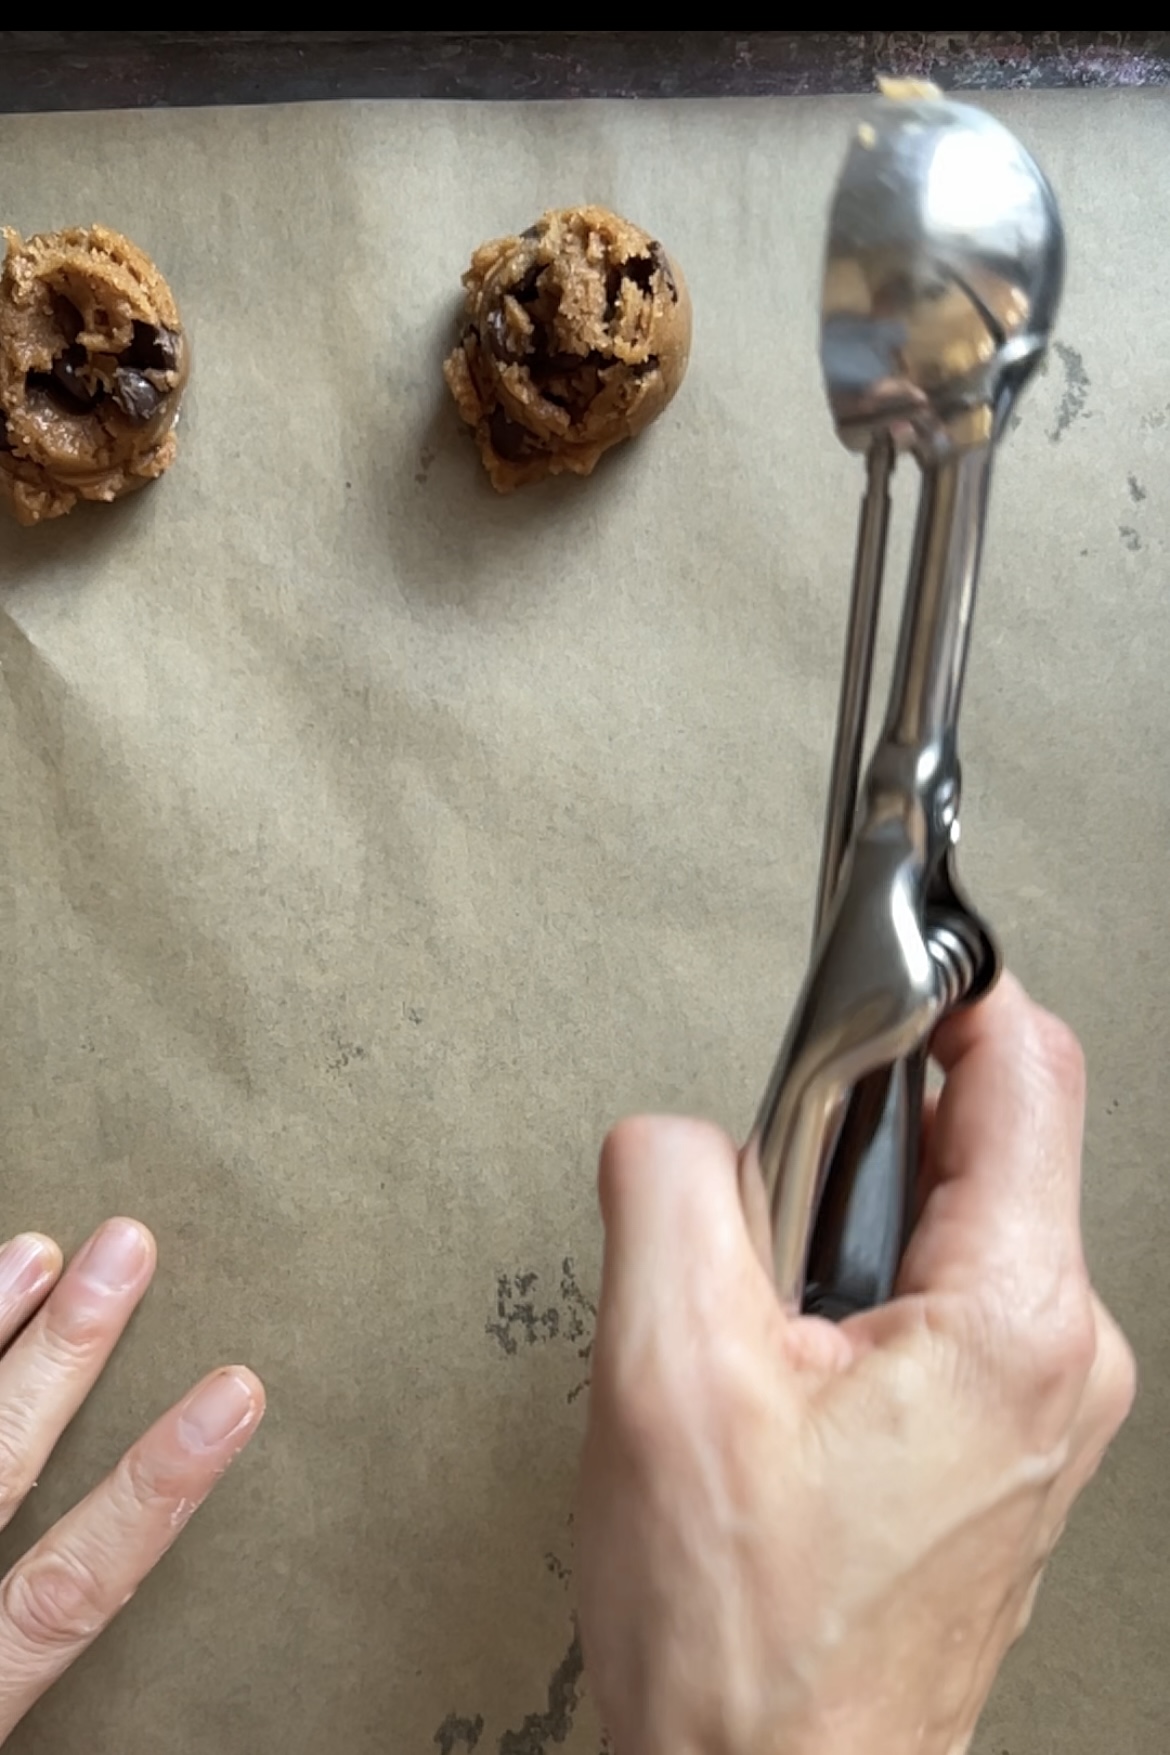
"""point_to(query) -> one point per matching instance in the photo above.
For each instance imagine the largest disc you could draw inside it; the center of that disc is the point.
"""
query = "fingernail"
(24, 1264)
(218, 1408)
(113, 1260)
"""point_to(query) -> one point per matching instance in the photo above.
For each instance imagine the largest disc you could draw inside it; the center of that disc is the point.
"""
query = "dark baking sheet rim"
(90, 70)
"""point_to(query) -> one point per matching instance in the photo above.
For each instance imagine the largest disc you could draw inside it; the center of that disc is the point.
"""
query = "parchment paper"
(369, 843)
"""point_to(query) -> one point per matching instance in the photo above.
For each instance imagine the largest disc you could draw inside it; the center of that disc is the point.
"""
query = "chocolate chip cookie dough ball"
(576, 335)
(93, 362)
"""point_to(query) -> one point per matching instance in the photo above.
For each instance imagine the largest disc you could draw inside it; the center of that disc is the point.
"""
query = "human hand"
(795, 1537)
(70, 1585)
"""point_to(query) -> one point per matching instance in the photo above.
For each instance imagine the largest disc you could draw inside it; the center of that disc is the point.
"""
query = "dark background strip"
(87, 70)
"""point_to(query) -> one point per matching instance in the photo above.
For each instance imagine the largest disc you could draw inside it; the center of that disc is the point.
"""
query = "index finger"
(681, 1263)
(669, 1189)
(1005, 1154)
(70, 1585)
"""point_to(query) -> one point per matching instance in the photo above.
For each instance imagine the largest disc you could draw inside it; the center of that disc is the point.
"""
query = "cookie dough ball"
(576, 336)
(93, 362)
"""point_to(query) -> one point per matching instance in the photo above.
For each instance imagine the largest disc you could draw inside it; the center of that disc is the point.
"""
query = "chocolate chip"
(526, 289)
(661, 261)
(5, 441)
(152, 350)
(499, 336)
(533, 231)
(641, 270)
(67, 369)
(556, 365)
(67, 317)
(135, 395)
(63, 385)
(543, 365)
(509, 439)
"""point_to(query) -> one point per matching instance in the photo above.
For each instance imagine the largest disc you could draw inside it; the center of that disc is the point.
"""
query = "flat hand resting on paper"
(798, 1538)
(71, 1584)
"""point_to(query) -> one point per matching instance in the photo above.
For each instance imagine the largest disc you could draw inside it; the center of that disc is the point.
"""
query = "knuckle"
(628, 1377)
(74, 1329)
(1063, 1345)
(1124, 1380)
(1117, 1375)
(54, 1600)
(1043, 1354)
(634, 1398)
(143, 1483)
(17, 1469)
(640, 1417)
(1058, 1049)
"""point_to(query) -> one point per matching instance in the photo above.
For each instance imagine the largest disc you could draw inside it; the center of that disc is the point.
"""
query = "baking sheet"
(369, 843)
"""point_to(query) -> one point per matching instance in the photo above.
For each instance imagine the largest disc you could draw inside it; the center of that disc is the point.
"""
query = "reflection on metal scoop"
(942, 278)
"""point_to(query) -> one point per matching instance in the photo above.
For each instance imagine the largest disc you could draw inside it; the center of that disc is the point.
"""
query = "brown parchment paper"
(369, 843)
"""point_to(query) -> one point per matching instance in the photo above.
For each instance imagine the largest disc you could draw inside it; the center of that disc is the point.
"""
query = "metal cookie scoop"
(942, 278)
